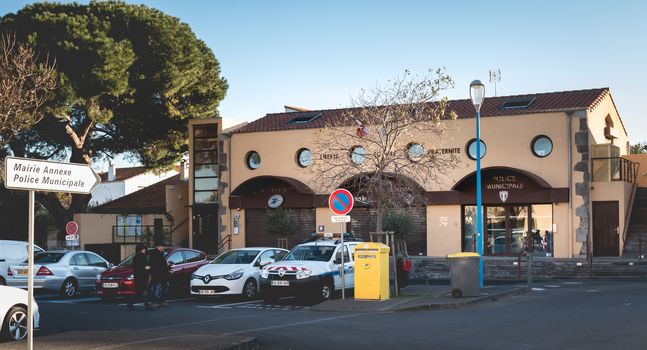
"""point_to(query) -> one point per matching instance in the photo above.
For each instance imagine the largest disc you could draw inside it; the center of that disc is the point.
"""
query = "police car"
(311, 270)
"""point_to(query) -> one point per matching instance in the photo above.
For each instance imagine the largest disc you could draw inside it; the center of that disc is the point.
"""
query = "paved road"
(556, 315)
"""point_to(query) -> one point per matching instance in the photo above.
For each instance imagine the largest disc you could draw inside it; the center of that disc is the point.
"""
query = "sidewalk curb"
(466, 302)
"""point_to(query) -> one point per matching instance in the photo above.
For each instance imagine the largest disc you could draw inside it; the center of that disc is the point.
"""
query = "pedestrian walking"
(141, 270)
(160, 274)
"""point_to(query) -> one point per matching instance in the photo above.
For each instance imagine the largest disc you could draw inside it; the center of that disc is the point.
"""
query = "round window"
(471, 149)
(253, 160)
(357, 155)
(541, 146)
(304, 157)
(415, 152)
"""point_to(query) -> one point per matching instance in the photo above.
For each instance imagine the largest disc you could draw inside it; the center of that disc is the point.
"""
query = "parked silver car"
(66, 271)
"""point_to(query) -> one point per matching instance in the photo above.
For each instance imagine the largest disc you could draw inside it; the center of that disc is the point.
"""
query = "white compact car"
(311, 271)
(234, 272)
(13, 252)
(13, 313)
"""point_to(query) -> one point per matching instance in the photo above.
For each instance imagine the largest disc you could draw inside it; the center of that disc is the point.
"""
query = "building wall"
(641, 159)
(106, 192)
(508, 140)
(95, 228)
(176, 206)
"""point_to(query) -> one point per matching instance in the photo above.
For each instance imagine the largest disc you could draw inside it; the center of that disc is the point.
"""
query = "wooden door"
(606, 229)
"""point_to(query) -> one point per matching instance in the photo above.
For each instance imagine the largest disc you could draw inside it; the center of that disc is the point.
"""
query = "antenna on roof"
(495, 76)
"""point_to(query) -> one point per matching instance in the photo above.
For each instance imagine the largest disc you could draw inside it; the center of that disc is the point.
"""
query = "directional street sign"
(42, 175)
(340, 201)
(340, 218)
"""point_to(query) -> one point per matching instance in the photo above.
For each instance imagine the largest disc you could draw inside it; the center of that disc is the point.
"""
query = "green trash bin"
(464, 274)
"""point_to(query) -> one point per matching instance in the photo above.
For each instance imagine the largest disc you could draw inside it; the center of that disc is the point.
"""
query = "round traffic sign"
(71, 228)
(341, 201)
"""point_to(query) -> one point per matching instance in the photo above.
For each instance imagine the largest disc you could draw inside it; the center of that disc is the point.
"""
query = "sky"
(320, 54)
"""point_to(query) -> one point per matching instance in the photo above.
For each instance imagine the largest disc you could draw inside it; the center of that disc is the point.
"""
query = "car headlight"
(98, 277)
(234, 275)
(131, 277)
(301, 274)
(265, 272)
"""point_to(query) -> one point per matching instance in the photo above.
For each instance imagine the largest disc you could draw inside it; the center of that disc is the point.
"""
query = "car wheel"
(69, 288)
(2, 282)
(15, 324)
(325, 291)
(250, 289)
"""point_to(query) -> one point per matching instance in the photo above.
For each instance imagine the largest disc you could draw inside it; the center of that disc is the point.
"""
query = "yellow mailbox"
(372, 271)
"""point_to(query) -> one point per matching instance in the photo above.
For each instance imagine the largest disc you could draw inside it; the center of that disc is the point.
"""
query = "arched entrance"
(517, 211)
(407, 198)
(258, 195)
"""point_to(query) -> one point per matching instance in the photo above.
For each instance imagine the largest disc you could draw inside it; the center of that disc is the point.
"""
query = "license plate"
(22, 272)
(281, 283)
(111, 285)
(206, 292)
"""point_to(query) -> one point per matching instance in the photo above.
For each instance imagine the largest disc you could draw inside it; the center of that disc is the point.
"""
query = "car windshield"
(129, 260)
(236, 257)
(311, 253)
(44, 258)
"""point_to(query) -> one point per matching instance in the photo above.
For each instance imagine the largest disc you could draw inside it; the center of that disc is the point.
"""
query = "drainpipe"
(569, 127)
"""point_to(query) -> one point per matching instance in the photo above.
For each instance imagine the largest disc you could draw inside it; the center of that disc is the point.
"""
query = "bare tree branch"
(25, 85)
(386, 145)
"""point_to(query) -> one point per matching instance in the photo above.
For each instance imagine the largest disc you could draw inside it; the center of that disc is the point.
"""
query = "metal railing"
(147, 234)
(607, 169)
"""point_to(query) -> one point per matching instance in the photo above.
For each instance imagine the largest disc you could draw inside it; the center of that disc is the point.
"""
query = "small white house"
(119, 182)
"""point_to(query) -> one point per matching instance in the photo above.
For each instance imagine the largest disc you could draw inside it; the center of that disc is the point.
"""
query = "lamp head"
(477, 94)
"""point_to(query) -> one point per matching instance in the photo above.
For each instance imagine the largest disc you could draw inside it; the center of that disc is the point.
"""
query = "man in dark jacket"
(160, 274)
(141, 270)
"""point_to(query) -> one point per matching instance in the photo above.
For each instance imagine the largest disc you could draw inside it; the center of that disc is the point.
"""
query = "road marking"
(319, 320)
(69, 301)
(151, 340)
(552, 286)
(572, 283)
(199, 322)
(592, 291)
(228, 306)
(538, 289)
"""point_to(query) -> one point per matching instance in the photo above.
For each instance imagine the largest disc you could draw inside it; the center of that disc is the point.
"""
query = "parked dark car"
(119, 282)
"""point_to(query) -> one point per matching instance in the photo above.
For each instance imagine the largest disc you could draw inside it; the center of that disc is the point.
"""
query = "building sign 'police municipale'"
(41, 175)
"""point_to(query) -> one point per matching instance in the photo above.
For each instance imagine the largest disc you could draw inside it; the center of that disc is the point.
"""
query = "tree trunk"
(378, 219)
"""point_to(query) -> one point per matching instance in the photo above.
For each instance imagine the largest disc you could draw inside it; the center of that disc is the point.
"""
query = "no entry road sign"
(341, 201)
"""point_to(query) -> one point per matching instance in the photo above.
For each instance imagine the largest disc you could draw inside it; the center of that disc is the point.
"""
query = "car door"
(82, 271)
(97, 263)
(348, 271)
(266, 255)
(193, 260)
(179, 277)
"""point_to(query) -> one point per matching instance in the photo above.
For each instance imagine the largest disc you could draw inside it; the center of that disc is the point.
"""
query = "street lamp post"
(477, 94)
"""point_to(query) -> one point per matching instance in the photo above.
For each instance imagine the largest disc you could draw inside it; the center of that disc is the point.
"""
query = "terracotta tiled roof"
(124, 173)
(543, 103)
(151, 199)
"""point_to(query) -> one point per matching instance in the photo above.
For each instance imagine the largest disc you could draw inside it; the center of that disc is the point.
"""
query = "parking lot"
(558, 314)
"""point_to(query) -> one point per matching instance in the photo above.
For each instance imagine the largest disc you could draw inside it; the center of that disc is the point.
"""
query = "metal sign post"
(41, 175)
(341, 203)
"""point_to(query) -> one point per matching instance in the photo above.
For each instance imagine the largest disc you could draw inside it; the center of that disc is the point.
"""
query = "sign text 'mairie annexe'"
(40, 175)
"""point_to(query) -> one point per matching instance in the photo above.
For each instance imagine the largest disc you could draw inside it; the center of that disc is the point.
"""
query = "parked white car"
(310, 271)
(13, 313)
(65, 271)
(236, 271)
(13, 252)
